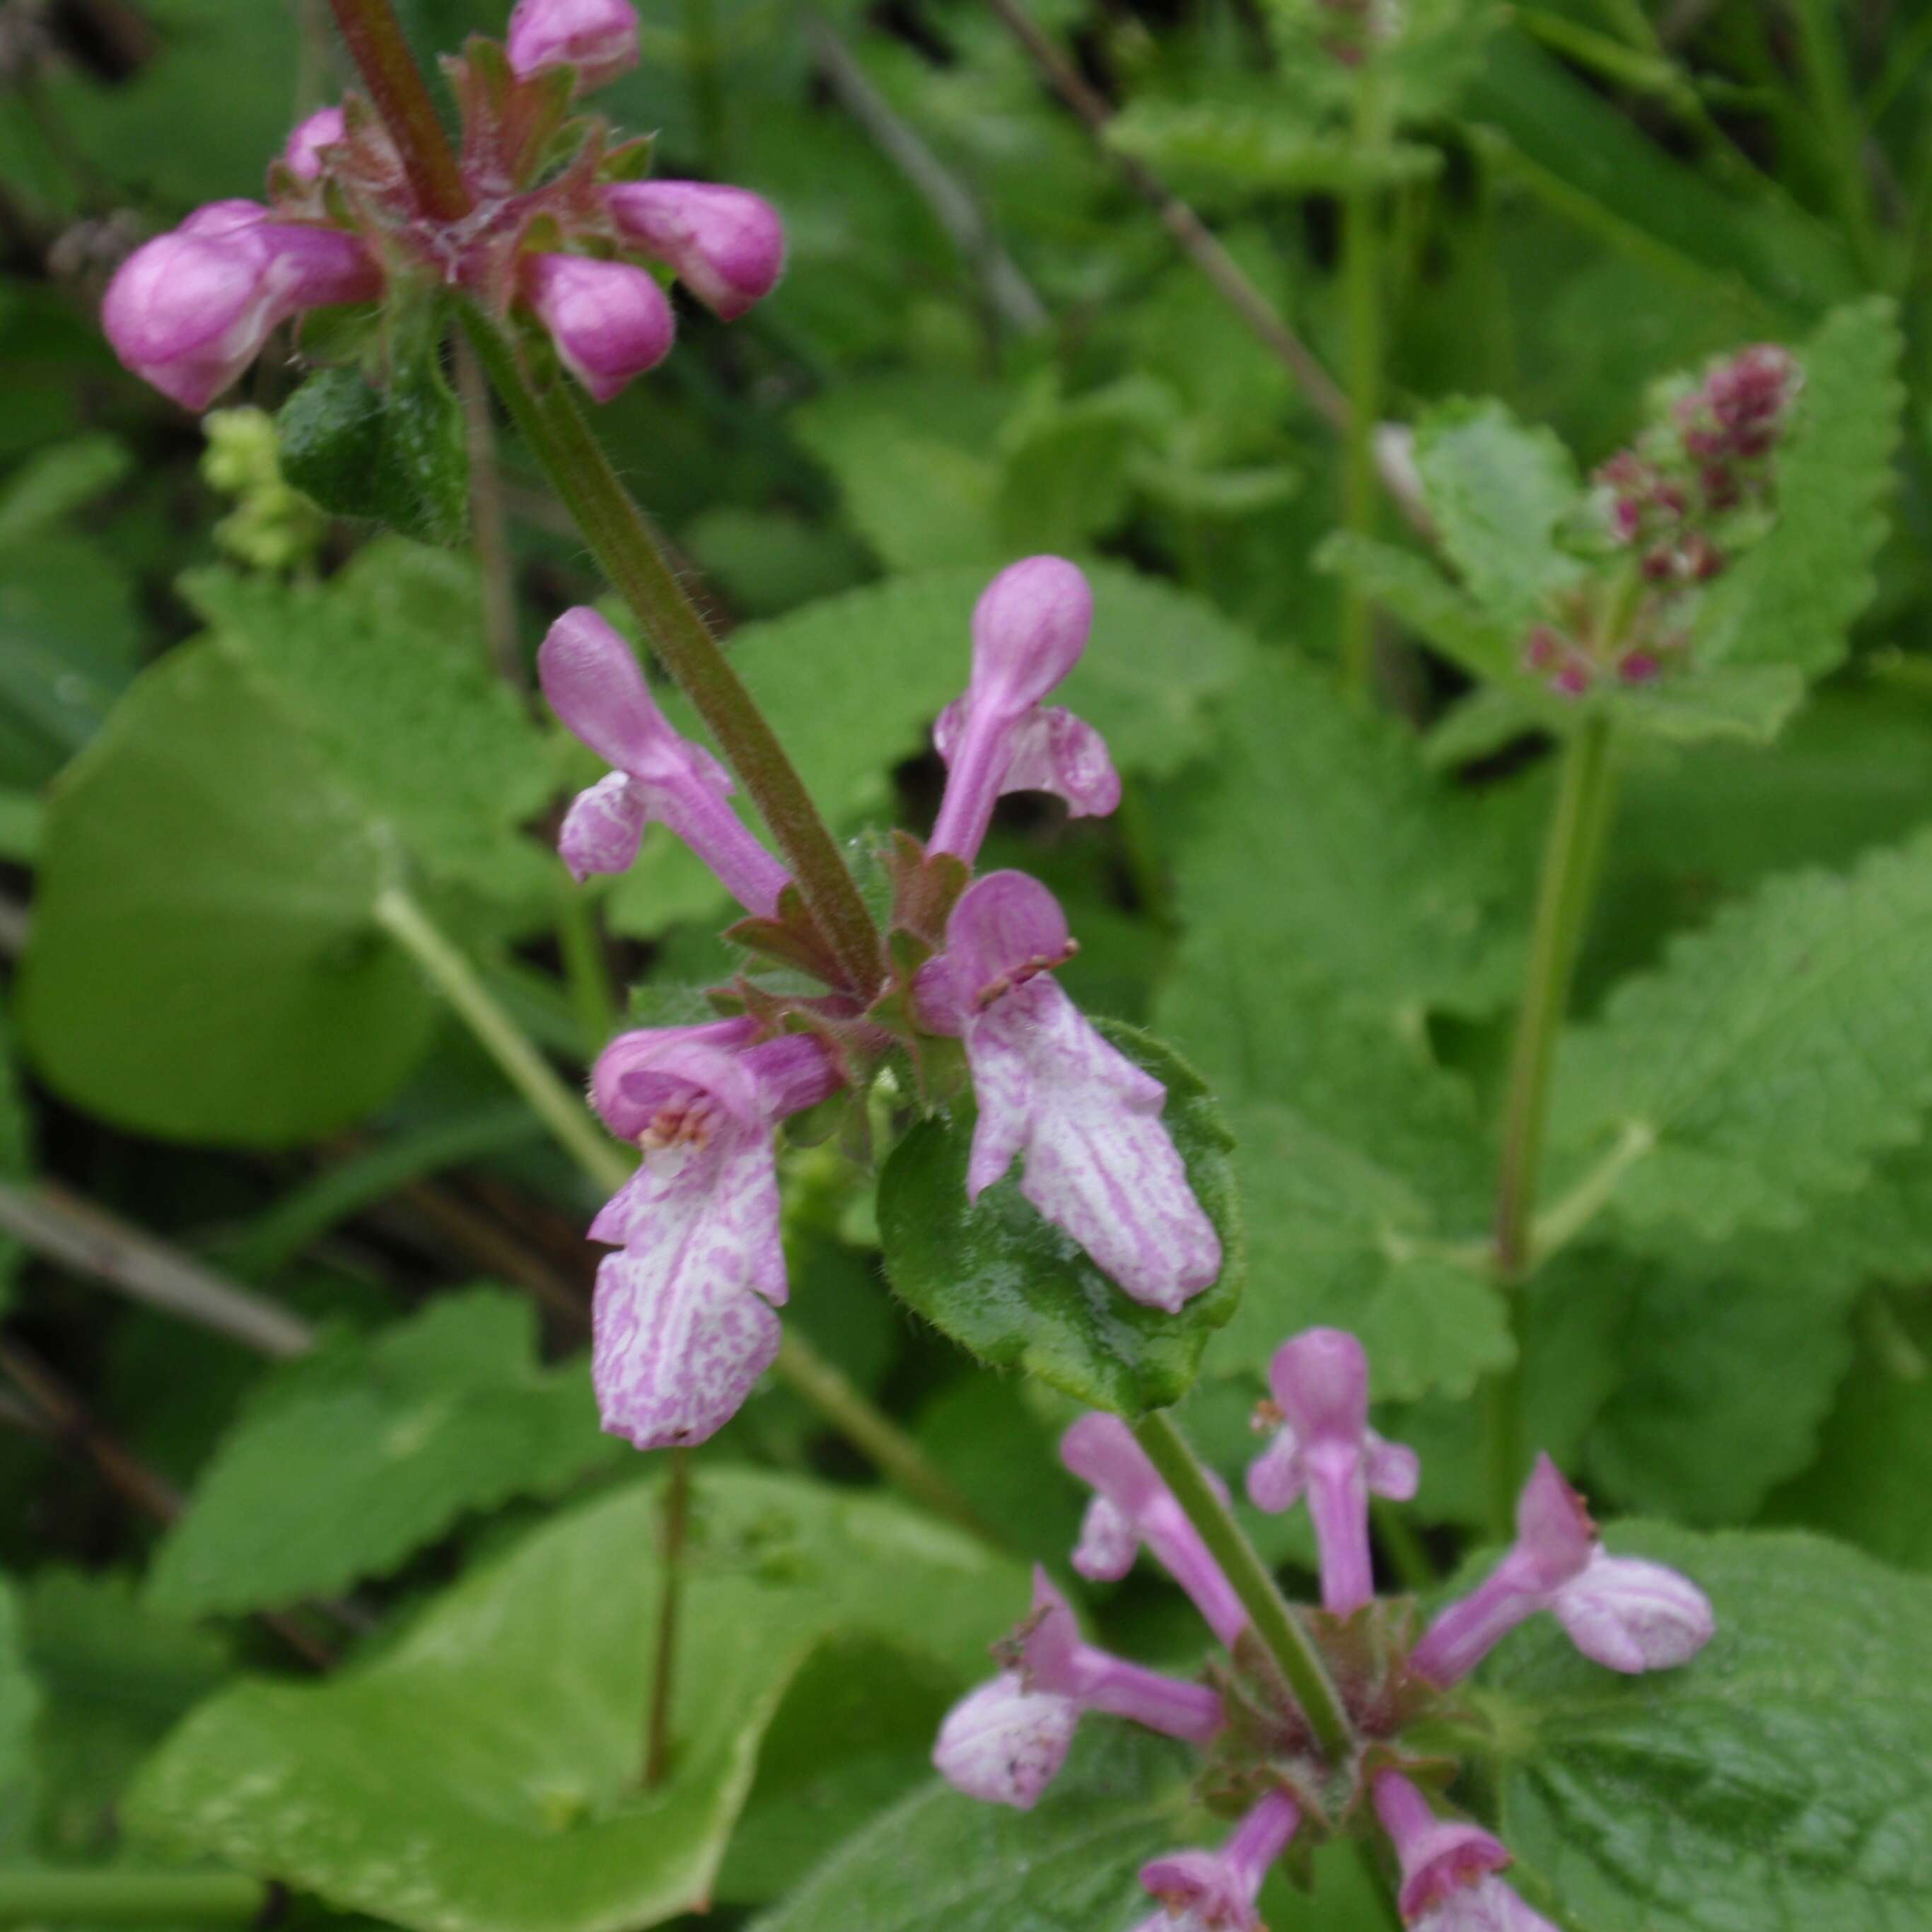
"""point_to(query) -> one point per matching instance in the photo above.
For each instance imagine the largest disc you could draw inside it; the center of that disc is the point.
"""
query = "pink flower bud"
(1215, 1891)
(190, 311)
(1640, 667)
(1448, 1868)
(726, 244)
(609, 321)
(1004, 1743)
(1572, 681)
(598, 37)
(322, 129)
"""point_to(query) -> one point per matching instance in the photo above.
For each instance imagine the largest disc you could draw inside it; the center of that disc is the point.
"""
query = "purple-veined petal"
(641, 1072)
(1006, 928)
(1098, 1163)
(1004, 1743)
(1633, 1616)
(603, 828)
(1489, 1905)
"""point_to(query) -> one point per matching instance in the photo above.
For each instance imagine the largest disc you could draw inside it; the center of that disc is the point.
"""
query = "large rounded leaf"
(203, 963)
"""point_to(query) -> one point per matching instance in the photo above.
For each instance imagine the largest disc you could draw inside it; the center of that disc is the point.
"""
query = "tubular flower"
(1619, 1611)
(596, 687)
(1215, 1891)
(1350, 1774)
(684, 1321)
(1448, 1869)
(1005, 1742)
(1326, 1450)
(1098, 1163)
(558, 244)
(1132, 1506)
(1029, 629)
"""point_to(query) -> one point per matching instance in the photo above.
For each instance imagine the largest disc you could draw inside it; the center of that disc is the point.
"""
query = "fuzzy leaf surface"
(1010, 1288)
(351, 1459)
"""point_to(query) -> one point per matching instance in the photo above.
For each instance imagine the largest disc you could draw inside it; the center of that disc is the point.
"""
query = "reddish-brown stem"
(374, 37)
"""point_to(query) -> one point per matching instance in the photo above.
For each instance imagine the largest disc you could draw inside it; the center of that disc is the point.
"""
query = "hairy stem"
(821, 1385)
(376, 43)
(1577, 826)
(625, 544)
(121, 1898)
(489, 522)
(1362, 277)
(1274, 1623)
(664, 1649)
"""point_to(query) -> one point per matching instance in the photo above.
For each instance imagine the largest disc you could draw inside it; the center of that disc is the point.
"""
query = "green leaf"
(203, 963)
(853, 683)
(65, 478)
(20, 1710)
(1790, 602)
(1771, 1058)
(384, 666)
(397, 456)
(114, 1678)
(942, 1863)
(1498, 493)
(482, 1776)
(1012, 1289)
(16, 1145)
(347, 1462)
(1871, 1483)
(1731, 1360)
(1414, 592)
(1377, 872)
(1236, 150)
(1336, 1239)
(1784, 1778)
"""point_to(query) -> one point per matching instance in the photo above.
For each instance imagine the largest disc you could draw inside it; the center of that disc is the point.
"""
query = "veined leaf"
(1783, 1778)
(350, 1460)
(482, 1775)
(1770, 1060)
(1236, 151)
(20, 1707)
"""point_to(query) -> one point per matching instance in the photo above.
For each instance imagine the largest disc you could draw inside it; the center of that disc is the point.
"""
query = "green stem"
(625, 545)
(527, 1070)
(615, 528)
(827, 1389)
(1577, 826)
(381, 55)
(130, 1898)
(1362, 276)
(822, 1386)
(1274, 1623)
(664, 1649)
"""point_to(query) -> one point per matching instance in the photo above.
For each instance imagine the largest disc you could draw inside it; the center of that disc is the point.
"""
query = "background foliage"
(230, 723)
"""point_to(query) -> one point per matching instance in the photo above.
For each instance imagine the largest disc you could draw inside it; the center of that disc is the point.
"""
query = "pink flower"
(1004, 1742)
(594, 684)
(322, 129)
(1627, 1615)
(190, 311)
(1029, 629)
(1326, 1450)
(1098, 1163)
(683, 1317)
(598, 37)
(609, 321)
(1448, 1868)
(1215, 1891)
(725, 244)
(1134, 1506)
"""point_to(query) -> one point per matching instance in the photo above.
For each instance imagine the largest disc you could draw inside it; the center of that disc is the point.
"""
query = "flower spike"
(1029, 629)
(594, 684)
(1449, 1882)
(1133, 1506)
(1098, 1163)
(1326, 1449)
(1215, 1891)
(1620, 1612)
